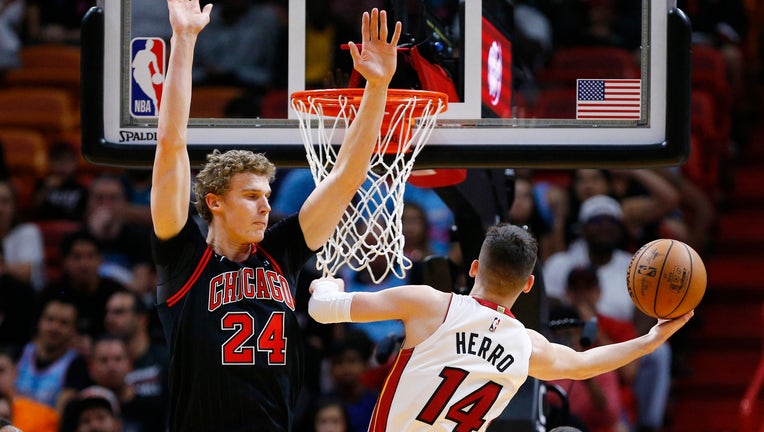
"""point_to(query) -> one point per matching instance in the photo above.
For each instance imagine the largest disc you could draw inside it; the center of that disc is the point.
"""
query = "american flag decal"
(608, 99)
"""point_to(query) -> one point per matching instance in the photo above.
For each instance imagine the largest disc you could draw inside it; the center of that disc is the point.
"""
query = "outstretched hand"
(187, 17)
(665, 328)
(377, 58)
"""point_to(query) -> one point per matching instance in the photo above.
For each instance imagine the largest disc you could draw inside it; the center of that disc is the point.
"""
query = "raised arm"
(420, 307)
(550, 361)
(171, 178)
(324, 207)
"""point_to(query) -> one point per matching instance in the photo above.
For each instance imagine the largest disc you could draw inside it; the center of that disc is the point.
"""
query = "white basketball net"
(371, 228)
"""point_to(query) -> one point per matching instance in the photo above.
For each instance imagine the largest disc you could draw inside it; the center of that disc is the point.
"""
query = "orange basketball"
(666, 278)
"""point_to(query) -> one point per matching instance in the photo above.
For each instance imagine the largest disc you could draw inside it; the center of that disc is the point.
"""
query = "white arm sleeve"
(328, 304)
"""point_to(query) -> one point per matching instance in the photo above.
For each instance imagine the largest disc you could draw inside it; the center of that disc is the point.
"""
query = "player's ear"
(529, 283)
(212, 201)
(473, 268)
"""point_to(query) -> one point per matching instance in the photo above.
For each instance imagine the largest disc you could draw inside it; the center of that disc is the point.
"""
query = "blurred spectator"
(22, 242)
(239, 46)
(60, 194)
(583, 292)
(329, 415)
(80, 282)
(109, 365)
(440, 219)
(595, 401)
(601, 219)
(127, 317)
(529, 208)
(11, 18)
(125, 248)
(416, 239)
(97, 410)
(349, 359)
(646, 200)
(698, 214)
(17, 309)
(49, 359)
(55, 21)
(138, 190)
(27, 414)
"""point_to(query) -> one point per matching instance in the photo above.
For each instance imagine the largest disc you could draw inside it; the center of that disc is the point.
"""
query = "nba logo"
(147, 75)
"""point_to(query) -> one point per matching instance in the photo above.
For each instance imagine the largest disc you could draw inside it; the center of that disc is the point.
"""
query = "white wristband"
(328, 304)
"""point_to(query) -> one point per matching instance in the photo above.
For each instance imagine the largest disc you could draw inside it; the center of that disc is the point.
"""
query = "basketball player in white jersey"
(464, 357)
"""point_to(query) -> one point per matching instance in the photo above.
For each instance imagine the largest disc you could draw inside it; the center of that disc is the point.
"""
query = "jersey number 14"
(468, 412)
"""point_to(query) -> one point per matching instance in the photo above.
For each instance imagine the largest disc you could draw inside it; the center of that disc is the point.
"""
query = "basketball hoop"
(371, 228)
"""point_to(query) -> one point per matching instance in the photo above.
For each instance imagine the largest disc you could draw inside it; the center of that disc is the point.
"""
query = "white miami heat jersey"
(461, 377)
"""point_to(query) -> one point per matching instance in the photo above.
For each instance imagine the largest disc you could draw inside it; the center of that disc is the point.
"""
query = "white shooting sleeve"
(329, 304)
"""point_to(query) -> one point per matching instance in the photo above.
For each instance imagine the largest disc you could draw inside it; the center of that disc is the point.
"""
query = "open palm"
(377, 59)
(186, 17)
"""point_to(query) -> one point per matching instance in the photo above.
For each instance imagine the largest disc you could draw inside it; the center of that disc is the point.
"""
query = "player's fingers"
(383, 26)
(354, 52)
(207, 9)
(365, 35)
(374, 24)
(397, 33)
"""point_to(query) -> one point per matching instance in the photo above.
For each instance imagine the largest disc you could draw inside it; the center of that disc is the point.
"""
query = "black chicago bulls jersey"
(235, 344)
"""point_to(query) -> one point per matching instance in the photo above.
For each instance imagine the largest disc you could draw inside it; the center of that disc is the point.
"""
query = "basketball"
(157, 78)
(666, 278)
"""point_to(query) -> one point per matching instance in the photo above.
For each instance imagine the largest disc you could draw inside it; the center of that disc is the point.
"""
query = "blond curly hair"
(215, 176)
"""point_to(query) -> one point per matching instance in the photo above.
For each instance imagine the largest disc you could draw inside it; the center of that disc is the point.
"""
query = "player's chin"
(257, 235)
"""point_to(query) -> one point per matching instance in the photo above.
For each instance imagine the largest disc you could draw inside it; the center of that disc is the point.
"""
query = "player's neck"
(232, 251)
(479, 292)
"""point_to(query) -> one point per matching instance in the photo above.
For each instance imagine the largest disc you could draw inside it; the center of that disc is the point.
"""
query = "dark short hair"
(507, 256)
(586, 275)
(68, 242)
(139, 307)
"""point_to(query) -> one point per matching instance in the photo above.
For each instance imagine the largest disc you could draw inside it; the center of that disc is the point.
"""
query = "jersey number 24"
(270, 340)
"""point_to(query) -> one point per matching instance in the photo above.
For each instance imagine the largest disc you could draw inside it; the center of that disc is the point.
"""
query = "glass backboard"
(527, 87)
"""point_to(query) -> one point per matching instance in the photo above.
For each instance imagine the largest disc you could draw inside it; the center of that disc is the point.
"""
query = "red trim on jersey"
(273, 261)
(382, 409)
(497, 307)
(192, 280)
(450, 299)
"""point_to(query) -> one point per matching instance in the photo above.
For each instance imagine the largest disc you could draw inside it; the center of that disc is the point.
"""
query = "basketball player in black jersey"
(226, 301)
